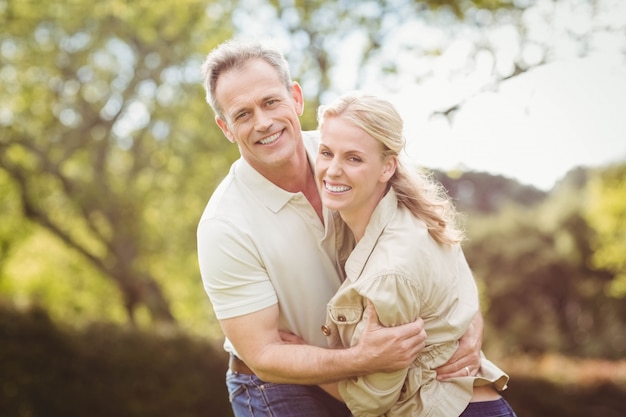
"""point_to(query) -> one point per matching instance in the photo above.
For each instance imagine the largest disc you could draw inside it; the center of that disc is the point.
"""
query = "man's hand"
(388, 349)
(466, 359)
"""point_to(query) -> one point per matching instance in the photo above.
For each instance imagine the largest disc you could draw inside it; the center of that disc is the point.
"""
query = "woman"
(407, 262)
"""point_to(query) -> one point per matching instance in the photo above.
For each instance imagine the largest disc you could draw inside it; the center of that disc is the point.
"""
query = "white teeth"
(337, 188)
(270, 139)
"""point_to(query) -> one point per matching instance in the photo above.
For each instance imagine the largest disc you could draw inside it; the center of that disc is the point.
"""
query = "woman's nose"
(334, 167)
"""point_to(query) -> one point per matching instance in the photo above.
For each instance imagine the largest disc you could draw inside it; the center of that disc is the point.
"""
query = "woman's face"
(351, 172)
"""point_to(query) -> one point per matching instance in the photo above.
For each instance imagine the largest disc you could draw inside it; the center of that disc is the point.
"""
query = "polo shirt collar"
(274, 197)
(382, 215)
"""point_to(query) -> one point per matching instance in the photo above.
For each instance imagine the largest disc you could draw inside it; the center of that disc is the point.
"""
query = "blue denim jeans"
(251, 397)
(497, 408)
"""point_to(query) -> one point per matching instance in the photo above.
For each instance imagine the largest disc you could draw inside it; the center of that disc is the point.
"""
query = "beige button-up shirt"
(407, 274)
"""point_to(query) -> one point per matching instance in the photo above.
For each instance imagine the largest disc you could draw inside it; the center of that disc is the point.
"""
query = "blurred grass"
(105, 370)
(48, 369)
(555, 385)
(568, 371)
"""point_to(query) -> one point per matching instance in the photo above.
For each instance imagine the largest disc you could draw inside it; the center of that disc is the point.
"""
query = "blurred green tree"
(318, 32)
(606, 213)
(107, 138)
(541, 292)
(103, 127)
(108, 148)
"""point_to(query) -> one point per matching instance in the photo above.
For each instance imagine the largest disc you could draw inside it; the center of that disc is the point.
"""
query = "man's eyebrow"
(274, 95)
(237, 110)
(271, 96)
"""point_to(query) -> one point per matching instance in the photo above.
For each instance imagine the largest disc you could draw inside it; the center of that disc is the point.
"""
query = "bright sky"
(535, 128)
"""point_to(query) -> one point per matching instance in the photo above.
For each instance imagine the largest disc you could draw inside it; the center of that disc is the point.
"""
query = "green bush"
(105, 370)
(536, 397)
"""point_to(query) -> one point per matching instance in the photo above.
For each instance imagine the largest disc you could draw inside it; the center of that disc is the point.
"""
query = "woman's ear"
(391, 164)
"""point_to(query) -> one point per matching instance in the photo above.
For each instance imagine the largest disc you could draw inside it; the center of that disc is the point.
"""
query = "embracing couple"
(335, 271)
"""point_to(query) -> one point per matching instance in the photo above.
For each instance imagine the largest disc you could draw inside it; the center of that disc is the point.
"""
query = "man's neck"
(298, 177)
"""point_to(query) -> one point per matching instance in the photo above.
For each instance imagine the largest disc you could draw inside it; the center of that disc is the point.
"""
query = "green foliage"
(537, 397)
(105, 370)
(479, 192)
(13, 228)
(108, 145)
(42, 271)
(317, 30)
(108, 154)
(543, 295)
(606, 213)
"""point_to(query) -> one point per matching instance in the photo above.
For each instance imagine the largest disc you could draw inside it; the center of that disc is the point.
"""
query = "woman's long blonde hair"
(419, 192)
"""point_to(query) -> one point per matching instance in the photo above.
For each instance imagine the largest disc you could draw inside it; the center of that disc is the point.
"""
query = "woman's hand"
(466, 359)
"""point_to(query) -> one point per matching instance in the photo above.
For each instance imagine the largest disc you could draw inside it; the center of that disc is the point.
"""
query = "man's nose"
(263, 121)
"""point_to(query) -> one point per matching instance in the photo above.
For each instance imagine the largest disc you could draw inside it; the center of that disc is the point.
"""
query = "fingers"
(460, 368)
(412, 338)
(418, 334)
(422, 333)
(466, 359)
(408, 330)
(372, 315)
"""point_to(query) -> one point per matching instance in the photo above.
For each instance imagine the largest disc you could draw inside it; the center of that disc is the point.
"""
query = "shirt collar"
(382, 215)
(274, 197)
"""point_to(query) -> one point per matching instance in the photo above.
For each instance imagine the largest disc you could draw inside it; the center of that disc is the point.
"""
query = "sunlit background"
(109, 153)
(532, 95)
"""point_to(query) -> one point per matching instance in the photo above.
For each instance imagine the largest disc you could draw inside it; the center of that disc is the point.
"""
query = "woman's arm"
(466, 359)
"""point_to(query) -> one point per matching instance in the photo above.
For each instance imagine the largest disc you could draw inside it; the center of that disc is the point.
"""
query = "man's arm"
(468, 353)
(257, 340)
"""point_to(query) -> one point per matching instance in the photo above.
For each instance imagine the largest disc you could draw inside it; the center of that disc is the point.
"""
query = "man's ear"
(296, 94)
(225, 130)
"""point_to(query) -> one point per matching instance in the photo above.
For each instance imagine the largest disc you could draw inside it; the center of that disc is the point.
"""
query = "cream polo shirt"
(259, 245)
(406, 274)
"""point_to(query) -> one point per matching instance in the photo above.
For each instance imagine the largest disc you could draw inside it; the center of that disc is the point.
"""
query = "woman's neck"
(358, 218)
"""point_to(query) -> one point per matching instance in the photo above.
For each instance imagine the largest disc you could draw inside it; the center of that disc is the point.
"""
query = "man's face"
(260, 114)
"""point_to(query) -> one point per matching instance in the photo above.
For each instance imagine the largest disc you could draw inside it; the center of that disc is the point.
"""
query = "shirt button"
(341, 318)
(326, 330)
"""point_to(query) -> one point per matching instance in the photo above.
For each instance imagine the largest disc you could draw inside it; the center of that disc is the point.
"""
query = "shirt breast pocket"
(345, 315)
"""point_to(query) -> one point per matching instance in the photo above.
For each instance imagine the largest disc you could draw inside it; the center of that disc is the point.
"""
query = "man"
(267, 252)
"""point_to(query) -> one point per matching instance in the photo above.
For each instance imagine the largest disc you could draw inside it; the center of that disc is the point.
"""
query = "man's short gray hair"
(234, 54)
